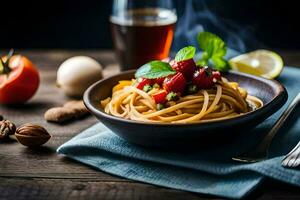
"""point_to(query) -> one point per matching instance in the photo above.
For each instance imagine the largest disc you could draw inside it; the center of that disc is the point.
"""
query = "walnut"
(6, 128)
(32, 135)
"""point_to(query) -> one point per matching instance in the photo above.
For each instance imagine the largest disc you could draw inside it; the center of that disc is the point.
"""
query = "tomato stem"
(4, 68)
(4, 65)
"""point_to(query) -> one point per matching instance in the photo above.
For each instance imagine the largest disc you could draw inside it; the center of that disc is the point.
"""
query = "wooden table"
(42, 174)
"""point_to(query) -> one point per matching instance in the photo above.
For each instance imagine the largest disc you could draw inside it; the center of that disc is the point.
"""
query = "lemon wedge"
(265, 63)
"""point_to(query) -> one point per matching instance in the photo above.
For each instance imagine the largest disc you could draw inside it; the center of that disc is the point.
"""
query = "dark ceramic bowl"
(271, 92)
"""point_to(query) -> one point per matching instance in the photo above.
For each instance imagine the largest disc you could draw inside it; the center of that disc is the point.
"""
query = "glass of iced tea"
(142, 30)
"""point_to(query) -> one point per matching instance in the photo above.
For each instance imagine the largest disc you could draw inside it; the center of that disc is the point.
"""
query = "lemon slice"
(263, 63)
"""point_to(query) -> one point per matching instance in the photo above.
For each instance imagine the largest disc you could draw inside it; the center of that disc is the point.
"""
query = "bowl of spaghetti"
(205, 108)
(167, 103)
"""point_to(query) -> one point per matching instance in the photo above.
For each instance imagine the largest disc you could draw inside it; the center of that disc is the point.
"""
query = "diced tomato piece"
(216, 75)
(159, 81)
(203, 78)
(160, 97)
(175, 83)
(143, 82)
(186, 67)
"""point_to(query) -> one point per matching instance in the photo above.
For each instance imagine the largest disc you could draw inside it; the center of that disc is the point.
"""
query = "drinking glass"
(142, 30)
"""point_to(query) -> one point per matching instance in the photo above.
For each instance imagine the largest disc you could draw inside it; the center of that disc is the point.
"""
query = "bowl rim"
(280, 98)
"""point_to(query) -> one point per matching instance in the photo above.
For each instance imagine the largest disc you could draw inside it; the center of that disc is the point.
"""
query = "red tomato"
(21, 83)
(186, 67)
(143, 82)
(160, 97)
(217, 75)
(175, 83)
(159, 81)
(205, 78)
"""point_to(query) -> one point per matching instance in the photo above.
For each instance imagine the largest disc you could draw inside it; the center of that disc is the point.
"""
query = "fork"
(260, 152)
(292, 159)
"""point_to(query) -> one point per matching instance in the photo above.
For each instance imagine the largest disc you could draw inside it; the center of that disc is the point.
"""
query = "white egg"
(76, 74)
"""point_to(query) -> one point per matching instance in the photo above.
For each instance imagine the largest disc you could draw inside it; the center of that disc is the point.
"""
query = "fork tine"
(292, 159)
(293, 150)
(284, 161)
(297, 163)
(296, 158)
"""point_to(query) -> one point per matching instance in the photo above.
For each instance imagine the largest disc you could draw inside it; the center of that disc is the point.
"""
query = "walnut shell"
(7, 128)
(32, 135)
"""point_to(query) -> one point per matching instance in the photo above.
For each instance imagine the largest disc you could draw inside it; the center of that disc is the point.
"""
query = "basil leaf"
(185, 53)
(212, 44)
(214, 50)
(221, 63)
(154, 69)
(202, 63)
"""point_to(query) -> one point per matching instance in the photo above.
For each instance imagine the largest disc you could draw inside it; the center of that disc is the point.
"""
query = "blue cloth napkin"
(208, 172)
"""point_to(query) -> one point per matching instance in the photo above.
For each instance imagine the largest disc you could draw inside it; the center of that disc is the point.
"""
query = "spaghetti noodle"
(222, 101)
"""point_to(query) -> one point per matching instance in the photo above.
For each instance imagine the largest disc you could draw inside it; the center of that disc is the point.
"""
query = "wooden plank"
(39, 188)
(47, 164)
(11, 189)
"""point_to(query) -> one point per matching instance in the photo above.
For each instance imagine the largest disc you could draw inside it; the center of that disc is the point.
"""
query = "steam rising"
(198, 17)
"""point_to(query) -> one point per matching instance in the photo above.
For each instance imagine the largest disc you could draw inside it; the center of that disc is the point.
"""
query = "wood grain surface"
(42, 174)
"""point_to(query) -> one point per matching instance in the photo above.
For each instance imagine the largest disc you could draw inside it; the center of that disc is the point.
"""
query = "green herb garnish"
(192, 89)
(185, 53)
(154, 69)
(214, 50)
(172, 96)
(147, 88)
(160, 106)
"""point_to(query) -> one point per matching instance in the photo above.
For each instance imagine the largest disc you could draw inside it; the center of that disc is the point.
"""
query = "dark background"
(84, 24)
